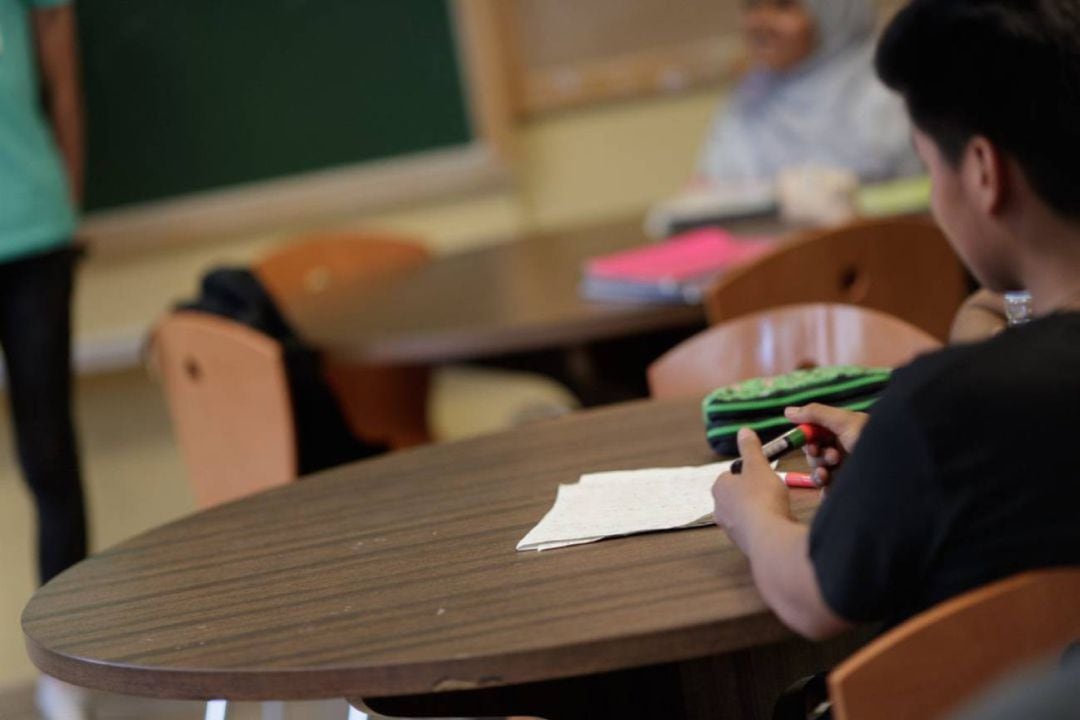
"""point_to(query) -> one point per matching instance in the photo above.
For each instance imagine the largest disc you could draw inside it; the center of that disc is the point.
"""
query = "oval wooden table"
(516, 297)
(396, 580)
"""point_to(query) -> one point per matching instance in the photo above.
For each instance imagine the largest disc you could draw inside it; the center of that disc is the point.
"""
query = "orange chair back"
(901, 266)
(932, 664)
(311, 265)
(782, 340)
(228, 397)
(382, 405)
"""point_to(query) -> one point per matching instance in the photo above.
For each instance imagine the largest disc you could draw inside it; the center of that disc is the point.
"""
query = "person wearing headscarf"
(810, 98)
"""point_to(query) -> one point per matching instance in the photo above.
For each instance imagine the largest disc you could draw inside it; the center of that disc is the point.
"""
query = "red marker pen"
(801, 481)
(791, 440)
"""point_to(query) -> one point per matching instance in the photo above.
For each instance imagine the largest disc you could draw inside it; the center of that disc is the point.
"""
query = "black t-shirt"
(968, 472)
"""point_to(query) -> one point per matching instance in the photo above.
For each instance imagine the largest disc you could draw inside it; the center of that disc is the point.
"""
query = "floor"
(17, 703)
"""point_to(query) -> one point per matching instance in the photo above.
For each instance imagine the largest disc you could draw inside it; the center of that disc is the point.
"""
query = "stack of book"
(677, 270)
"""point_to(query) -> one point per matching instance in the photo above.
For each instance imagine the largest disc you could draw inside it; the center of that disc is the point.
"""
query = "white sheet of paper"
(626, 502)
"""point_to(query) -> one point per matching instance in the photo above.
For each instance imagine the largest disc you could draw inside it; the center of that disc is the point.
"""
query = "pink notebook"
(690, 256)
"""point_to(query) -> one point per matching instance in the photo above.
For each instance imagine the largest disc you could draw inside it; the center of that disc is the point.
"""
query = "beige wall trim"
(102, 354)
(296, 201)
(116, 351)
(486, 52)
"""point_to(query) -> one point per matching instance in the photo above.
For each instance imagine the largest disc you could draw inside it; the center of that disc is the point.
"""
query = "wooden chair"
(936, 661)
(902, 266)
(783, 340)
(386, 405)
(228, 396)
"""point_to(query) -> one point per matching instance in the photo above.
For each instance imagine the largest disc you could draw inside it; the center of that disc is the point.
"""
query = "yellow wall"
(579, 167)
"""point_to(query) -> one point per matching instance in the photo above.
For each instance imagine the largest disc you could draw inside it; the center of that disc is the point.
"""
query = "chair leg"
(217, 709)
(273, 711)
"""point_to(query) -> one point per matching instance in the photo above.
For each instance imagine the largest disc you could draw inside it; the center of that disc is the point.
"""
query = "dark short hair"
(1008, 70)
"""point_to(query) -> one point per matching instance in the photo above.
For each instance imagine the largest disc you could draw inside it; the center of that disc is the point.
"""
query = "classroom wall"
(575, 167)
(580, 167)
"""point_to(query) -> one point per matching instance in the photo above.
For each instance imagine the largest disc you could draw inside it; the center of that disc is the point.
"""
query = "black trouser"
(35, 332)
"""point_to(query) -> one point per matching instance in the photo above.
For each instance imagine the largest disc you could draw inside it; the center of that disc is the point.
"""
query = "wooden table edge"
(654, 648)
(476, 343)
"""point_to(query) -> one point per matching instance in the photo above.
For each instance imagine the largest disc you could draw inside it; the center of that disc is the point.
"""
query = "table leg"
(742, 684)
(582, 377)
(601, 372)
(217, 709)
(272, 711)
(615, 370)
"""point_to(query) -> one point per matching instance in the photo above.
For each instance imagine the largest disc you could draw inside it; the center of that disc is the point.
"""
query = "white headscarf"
(841, 23)
(830, 110)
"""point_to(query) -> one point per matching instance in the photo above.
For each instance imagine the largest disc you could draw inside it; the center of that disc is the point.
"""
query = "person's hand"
(982, 316)
(756, 494)
(844, 424)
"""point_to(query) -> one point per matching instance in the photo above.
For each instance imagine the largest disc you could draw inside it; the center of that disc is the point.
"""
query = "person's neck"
(1050, 267)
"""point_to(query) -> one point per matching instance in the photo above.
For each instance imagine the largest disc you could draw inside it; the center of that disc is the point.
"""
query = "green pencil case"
(759, 403)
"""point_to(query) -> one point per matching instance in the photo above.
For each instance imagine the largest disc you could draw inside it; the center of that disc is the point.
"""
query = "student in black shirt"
(965, 473)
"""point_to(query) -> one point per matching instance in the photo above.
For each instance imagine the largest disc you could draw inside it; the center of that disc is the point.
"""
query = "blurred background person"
(810, 98)
(41, 170)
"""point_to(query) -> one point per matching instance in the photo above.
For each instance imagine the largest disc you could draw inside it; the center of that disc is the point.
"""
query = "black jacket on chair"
(323, 437)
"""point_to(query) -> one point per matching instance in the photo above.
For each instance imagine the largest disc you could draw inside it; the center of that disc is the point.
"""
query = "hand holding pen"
(827, 435)
(827, 454)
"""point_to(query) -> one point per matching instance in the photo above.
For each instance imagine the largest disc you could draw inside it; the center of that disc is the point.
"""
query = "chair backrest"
(902, 266)
(385, 405)
(311, 265)
(782, 340)
(934, 662)
(228, 396)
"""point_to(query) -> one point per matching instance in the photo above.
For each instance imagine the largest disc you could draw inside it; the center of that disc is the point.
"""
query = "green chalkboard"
(191, 95)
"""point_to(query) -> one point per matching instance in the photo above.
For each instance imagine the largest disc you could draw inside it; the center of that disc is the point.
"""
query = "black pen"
(791, 440)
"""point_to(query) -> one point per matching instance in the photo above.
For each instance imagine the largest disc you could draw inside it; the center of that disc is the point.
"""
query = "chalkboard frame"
(309, 199)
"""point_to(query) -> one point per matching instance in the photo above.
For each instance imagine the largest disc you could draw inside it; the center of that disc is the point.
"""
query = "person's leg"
(35, 330)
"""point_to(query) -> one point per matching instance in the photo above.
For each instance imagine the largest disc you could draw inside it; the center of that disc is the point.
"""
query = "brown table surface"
(515, 297)
(399, 576)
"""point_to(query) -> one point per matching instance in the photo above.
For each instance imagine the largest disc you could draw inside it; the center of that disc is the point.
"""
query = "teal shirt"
(36, 212)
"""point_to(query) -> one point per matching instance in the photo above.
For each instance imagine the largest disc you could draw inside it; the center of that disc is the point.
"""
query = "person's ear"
(986, 176)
